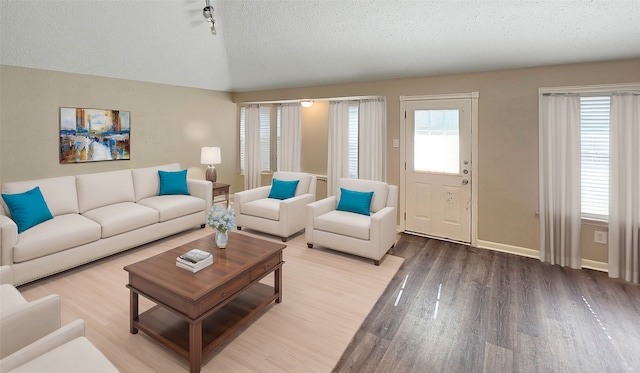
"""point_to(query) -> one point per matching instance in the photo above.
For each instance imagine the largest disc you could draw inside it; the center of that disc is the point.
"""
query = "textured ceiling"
(279, 43)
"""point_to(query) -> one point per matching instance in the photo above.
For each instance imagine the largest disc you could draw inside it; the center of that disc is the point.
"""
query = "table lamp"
(210, 156)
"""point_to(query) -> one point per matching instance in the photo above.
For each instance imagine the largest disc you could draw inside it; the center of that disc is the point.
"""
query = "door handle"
(465, 181)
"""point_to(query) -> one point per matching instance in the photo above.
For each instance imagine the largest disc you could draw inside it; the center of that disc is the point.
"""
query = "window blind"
(594, 133)
(353, 141)
(265, 137)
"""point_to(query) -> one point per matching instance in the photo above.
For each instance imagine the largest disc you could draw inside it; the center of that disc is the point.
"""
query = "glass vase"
(221, 239)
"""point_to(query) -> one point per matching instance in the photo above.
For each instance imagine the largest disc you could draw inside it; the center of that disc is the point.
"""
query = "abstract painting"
(90, 135)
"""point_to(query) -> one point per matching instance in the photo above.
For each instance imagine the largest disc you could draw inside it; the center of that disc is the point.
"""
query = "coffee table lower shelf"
(172, 330)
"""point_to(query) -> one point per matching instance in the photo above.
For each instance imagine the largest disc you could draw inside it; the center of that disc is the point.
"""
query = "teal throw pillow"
(27, 209)
(173, 182)
(354, 201)
(281, 189)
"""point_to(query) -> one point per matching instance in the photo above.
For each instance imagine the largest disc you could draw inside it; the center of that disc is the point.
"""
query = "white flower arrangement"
(221, 219)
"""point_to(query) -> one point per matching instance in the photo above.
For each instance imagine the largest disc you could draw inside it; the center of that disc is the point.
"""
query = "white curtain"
(624, 197)
(559, 156)
(338, 144)
(252, 167)
(290, 137)
(372, 118)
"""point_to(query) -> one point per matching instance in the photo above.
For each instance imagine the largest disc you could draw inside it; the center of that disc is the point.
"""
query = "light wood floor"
(326, 296)
(465, 309)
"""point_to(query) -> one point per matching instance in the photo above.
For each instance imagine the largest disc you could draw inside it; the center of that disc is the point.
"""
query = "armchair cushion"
(281, 189)
(354, 201)
(267, 208)
(344, 223)
(27, 209)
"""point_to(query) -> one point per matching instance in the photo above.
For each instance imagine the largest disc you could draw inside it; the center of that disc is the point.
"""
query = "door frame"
(473, 96)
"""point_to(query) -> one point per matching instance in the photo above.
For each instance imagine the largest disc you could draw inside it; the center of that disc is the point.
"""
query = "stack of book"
(194, 260)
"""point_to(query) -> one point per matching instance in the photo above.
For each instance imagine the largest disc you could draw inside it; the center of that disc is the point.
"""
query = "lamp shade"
(210, 155)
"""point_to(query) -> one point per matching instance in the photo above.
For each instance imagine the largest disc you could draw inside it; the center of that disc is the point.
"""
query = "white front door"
(438, 174)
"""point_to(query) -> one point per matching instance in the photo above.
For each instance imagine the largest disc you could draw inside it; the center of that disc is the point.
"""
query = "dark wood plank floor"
(465, 309)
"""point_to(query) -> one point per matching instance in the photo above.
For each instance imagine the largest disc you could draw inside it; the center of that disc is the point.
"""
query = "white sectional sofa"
(94, 216)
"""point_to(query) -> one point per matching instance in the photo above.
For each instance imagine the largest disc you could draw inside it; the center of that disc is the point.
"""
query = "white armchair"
(366, 236)
(255, 210)
(31, 339)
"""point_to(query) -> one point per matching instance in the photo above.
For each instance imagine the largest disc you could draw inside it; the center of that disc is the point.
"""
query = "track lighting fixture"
(207, 13)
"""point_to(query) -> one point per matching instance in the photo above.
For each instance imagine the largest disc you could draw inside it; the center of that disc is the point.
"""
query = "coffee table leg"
(133, 311)
(195, 346)
(277, 283)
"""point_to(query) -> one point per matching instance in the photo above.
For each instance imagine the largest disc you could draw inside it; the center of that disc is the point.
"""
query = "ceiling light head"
(306, 103)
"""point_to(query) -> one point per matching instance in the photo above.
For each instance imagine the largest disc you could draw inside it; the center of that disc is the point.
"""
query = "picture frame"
(94, 135)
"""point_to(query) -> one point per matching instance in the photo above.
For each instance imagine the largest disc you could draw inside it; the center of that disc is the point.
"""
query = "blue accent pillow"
(281, 189)
(173, 182)
(354, 201)
(27, 209)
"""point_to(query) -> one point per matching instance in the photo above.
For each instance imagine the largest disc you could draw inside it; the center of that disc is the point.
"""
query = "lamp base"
(211, 174)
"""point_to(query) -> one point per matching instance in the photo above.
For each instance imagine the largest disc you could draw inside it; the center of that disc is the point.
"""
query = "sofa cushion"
(27, 209)
(173, 182)
(303, 185)
(173, 206)
(59, 192)
(104, 189)
(122, 217)
(380, 190)
(344, 223)
(281, 189)
(58, 234)
(11, 298)
(267, 208)
(146, 182)
(354, 201)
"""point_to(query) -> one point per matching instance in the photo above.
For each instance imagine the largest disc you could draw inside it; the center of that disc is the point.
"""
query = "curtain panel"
(252, 167)
(338, 144)
(372, 118)
(624, 194)
(290, 137)
(560, 212)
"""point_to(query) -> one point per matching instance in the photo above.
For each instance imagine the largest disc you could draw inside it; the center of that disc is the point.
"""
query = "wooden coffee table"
(196, 312)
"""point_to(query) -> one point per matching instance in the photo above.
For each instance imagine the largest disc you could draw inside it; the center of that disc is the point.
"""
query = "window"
(269, 137)
(594, 144)
(353, 141)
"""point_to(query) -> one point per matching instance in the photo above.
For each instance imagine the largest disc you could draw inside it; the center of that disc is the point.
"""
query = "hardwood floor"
(464, 309)
(326, 296)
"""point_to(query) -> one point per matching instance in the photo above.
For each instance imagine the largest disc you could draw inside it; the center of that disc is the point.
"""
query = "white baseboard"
(530, 253)
(522, 251)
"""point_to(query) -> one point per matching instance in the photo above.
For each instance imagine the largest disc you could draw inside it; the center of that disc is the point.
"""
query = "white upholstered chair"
(280, 217)
(369, 236)
(32, 339)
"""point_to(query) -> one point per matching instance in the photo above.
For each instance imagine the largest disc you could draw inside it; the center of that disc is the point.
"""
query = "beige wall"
(168, 123)
(507, 156)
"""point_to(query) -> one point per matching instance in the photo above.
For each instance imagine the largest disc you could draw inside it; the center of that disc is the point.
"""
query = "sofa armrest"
(69, 332)
(202, 189)
(26, 323)
(6, 275)
(8, 239)
(246, 196)
(383, 228)
(314, 210)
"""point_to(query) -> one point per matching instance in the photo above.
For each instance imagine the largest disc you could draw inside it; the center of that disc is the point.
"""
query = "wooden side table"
(220, 189)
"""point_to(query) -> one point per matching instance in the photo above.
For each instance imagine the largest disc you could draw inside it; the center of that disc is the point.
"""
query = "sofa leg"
(284, 239)
(239, 228)
(202, 226)
(376, 262)
(309, 245)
